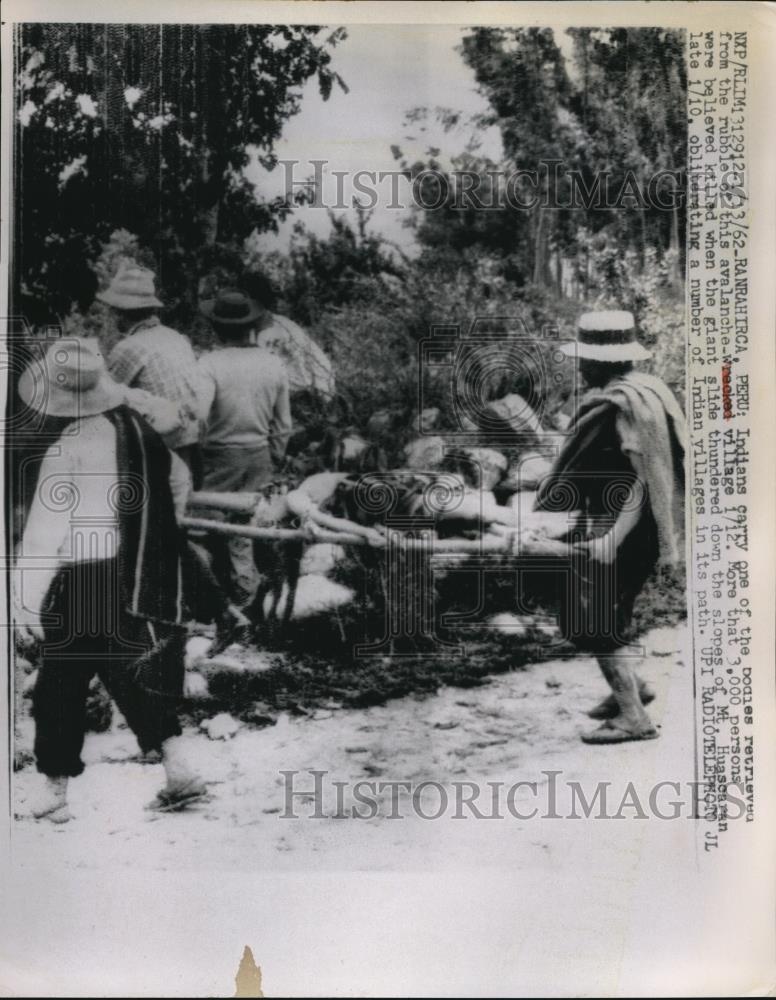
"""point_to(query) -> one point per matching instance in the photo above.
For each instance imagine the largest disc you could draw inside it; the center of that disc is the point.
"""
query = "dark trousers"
(206, 598)
(139, 662)
(597, 604)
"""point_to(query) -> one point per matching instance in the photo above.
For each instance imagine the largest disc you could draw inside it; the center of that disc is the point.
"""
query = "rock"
(351, 449)
(262, 721)
(321, 558)
(509, 624)
(228, 672)
(424, 453)
(221, 727)
(429, 418)
(467, 424)
(259, 714)
(379, 423)
(223, 663)
(23, 665)
(513, 414)
(488, 466)
(314, 594)
(234, 649)
(29, 684)
(257, 662)
(22, 758)
(663, 641)
(195, 686)
(197, 647)
(384, 422)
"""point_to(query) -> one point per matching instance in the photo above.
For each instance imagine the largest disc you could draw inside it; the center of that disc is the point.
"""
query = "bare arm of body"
(304, 502)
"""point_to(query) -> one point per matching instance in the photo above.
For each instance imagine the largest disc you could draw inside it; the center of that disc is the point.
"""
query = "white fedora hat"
(606, 336)
(70, 380)
(132, 287)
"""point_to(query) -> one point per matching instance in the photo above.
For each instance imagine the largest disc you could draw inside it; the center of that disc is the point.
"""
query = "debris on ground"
(221, 727)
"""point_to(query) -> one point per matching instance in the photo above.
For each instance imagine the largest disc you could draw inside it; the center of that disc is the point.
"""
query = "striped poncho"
(150, 551)
(651, 425)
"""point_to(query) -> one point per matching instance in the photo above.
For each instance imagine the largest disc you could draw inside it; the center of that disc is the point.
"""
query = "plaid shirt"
(161, 361)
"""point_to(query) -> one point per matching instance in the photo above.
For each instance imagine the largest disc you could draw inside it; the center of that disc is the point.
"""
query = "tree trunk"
(540, 242)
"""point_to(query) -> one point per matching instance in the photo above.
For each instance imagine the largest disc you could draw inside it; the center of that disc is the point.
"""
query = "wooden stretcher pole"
(239, 503)
(270, 533)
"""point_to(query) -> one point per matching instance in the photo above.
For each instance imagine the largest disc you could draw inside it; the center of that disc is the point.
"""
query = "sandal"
(609, 708)
(176, 799)
(610, 732)
(56, 814)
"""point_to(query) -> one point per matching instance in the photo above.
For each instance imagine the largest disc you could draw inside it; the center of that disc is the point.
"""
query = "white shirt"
(73, 516)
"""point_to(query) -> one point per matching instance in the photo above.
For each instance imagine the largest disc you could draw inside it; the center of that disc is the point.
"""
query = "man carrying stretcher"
(622, 469)
(617, 485)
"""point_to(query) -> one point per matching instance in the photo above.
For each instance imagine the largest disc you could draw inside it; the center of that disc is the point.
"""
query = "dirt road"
(519, 727)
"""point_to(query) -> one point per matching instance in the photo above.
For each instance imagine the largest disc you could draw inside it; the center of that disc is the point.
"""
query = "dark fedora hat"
(231, 308)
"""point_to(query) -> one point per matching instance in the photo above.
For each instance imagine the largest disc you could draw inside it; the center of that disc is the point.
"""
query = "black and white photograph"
(378, 498)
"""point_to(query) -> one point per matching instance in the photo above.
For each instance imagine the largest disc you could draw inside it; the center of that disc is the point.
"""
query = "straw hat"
(71, 380)
(132, 287)
(231, 308)
(606, 336)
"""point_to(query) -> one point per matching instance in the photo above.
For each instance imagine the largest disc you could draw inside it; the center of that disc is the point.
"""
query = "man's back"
(161, 361)
(248, 390)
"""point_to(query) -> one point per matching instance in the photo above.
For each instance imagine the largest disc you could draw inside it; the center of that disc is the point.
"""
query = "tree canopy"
(605, 116)
(147, 128)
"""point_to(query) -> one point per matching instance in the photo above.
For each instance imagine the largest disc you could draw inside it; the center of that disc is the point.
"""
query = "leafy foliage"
(607, 123)
(148, 128)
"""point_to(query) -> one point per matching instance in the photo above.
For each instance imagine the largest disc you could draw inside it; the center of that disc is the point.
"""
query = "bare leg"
(51, 803)
(632, 722)
(608, 707)
(177, 769)
(184, 786)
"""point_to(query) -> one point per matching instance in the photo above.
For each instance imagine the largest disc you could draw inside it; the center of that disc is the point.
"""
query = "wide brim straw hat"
(231, 308)
(70, 380)
(132, 287)
(606, 336)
